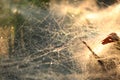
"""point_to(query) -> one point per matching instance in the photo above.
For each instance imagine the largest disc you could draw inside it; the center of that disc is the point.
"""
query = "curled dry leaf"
(110, 38)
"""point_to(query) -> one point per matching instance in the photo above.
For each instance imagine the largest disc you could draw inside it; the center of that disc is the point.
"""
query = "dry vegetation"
(46, 44)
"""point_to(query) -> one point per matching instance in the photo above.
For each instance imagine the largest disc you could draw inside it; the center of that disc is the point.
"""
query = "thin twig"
(93, 53)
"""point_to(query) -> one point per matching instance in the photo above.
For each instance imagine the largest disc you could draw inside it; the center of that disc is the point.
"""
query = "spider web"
(46, 43)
